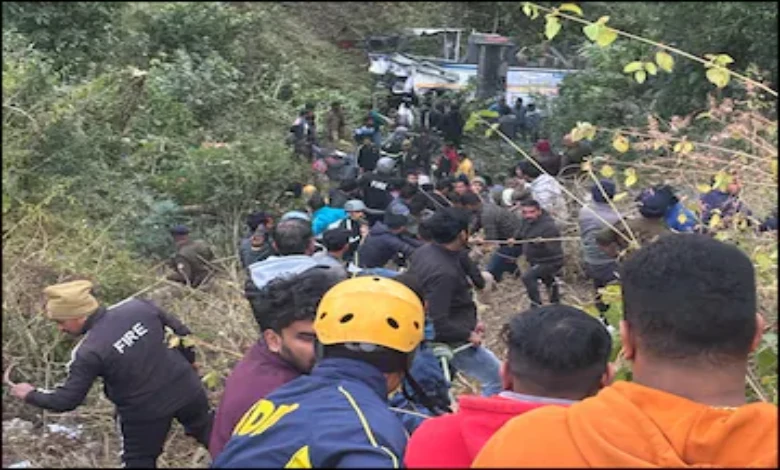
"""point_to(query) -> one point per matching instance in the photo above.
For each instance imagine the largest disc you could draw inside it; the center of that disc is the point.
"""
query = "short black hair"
(470, 199)
(255, 219)
(292, 298)
(335, 239)
(529, 169)
(316, 202)
(530, 203)
(462, 179)
(408, 191)
(488, 180)
(444, 183)
(688, 296)
(557, 350)
(446, 224)
(292, 237)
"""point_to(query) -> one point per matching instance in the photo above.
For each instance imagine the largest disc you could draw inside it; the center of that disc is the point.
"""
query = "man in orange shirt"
(689, 326)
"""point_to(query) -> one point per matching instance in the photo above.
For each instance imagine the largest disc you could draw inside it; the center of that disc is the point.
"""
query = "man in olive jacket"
(545, 258)
(192, 261)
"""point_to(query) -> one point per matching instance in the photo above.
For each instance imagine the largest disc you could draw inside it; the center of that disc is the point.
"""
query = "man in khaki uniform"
(192, 261)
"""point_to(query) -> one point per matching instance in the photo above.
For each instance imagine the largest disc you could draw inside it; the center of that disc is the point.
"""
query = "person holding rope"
(545, 257)
(367, 330)
(149, 383)
(449, 300)
(557, 355)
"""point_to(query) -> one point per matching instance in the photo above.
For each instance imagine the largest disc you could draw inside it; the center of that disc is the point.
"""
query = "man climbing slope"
(125, 345)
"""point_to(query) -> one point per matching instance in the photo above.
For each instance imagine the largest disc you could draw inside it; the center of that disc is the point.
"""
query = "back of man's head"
(444, 184)
(294, 298)
(336, 239)
(316, 202)
(690, 298)
(446, 224)
(557, 351)
(471, 200)
(529, 169)
(292, 237)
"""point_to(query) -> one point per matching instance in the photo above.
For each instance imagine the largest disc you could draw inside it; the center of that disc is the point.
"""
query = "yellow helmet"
(373, 310)
(308, 191)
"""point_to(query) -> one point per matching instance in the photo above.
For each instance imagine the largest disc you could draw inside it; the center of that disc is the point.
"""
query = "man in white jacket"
(545, 189)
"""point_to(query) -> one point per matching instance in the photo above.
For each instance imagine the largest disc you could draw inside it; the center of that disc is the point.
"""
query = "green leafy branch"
(717, 71)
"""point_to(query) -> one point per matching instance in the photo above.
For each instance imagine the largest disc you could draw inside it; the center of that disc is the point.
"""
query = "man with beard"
(285, 350)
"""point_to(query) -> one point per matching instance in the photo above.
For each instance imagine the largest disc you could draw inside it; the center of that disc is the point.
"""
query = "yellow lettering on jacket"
(260, 417)
(300, 459)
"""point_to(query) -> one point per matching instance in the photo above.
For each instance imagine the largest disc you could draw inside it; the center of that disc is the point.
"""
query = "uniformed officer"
(192, 261)
(149, 383)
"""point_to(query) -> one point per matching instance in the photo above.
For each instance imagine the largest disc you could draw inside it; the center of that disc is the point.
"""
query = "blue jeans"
(504, 260)
(481, 364)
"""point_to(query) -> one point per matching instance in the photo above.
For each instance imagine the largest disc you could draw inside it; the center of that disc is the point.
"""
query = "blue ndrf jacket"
(335, 417)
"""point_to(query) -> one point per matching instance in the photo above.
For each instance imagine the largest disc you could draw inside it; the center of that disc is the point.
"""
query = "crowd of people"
(364, 301)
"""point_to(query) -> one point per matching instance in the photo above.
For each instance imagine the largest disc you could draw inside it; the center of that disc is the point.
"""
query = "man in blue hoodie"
(337, 416)
(323, 215)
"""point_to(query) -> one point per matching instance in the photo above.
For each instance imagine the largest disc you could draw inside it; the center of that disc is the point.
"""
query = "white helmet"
(385, 165)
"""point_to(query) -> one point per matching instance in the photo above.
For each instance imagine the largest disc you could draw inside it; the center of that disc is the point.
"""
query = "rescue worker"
(284, 351)
(367, 329)
(149, 383)
(557, 355)
(499, 224)
(600, 267)
(448, 297)
(336, 123)
(356, 224)
(689, 328)
(376, 187)
(192, 261)
(545, 257)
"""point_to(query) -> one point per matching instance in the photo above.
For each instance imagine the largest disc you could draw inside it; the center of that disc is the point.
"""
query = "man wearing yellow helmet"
(367, 330)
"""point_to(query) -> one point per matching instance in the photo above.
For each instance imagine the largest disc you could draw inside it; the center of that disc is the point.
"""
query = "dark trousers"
(601, 275)
(143, 440)
(504, 260)
(546, 272)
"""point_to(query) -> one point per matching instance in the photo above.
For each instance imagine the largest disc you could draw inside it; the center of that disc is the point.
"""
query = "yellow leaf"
(552, 27)
(703, 188)
(687, 147)
(773, 166)
(682, 218)
(620, 196)
(211, 379)
(620, 143)
(683, 147)
(723, 59)
(571, 7)
(631, 177)
(677, 147)
(715, 221)
(187, 342)
(632, 67)
(606, 37)
(719, 76)
(607, 171)
(651, 68)
(722, 180)
(640, 76)
(491, 130)
(527, 9)
(743, 224)
(664, 60)
(173, 341)
(657, 144)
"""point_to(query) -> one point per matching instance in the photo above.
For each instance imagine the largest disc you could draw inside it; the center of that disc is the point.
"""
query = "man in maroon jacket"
(285, 351)
(557, 355)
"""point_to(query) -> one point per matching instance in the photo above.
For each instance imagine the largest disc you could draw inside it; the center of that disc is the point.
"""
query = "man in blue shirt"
(367, 329)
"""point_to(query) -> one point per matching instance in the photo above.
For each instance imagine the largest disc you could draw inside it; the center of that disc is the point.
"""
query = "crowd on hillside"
(364, 300)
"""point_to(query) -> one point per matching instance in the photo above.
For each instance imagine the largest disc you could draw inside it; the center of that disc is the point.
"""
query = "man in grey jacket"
(600, 266)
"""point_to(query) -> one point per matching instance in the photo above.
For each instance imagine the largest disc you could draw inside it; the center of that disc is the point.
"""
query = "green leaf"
(606, 37)
(552, 27)
(719, 76)
(592, 31)
(664, 60)
(651, 68)
(723, 59)
(640, 76)
(571, 7)
(632, 67)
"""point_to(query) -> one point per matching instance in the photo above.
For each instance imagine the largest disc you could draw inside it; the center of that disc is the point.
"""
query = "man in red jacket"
(557, 355)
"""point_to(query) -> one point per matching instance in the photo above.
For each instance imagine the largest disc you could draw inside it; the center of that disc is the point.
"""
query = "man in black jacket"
(545, 258)
(386, 240)
(448, 297)
(149, 383)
